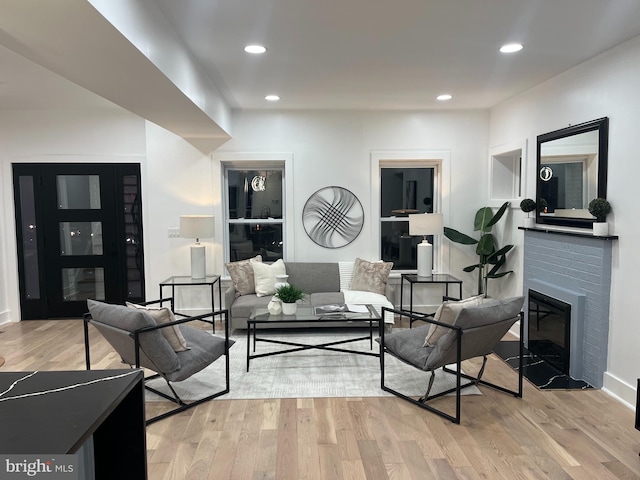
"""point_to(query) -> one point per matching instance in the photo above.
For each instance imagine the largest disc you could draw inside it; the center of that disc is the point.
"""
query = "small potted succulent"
(289, 295)
(600, 208)
(528, 205)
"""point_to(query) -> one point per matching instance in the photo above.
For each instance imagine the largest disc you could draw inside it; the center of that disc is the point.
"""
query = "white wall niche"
(507, 167)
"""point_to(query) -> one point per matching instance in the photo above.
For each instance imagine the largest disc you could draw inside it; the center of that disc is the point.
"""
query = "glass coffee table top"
(308, 313)
(307, 317)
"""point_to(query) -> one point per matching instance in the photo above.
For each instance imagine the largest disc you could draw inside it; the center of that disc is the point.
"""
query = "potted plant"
(600, 208)
(528, 205)
(289, 295)
(489, 255)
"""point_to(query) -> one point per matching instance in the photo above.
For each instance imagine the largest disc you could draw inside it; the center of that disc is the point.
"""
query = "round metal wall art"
(333, 217)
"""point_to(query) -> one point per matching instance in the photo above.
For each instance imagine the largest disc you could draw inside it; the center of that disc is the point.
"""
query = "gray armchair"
(474, 332)
(138, 339)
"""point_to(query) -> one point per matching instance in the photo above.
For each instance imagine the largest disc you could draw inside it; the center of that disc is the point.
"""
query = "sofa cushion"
(314, 277)
(241, 274)
(370, 276)
(326, 298)
(243, 306)
(205, 348)
(164, 315)
(408, 345)
(264, 275)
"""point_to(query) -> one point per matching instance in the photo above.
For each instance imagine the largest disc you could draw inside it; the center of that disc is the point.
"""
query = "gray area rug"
(310, 373)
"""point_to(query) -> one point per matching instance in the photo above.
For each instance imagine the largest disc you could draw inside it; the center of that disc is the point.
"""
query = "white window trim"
(441, 161)
(246, 160)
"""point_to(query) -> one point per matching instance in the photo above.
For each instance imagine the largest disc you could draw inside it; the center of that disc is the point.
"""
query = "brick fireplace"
(575, 269)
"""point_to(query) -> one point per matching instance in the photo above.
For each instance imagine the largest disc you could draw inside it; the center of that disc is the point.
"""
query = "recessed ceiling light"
(255, 49)
(511, 48)
(444, 97)
(272, 98)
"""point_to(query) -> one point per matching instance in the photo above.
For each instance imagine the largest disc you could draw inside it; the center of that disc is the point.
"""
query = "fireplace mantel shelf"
(569, 232)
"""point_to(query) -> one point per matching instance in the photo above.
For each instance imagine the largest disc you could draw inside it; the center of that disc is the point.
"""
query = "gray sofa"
(319, 280)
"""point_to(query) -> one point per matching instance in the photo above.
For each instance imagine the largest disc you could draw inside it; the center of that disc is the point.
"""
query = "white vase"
(600, 229)
(529, 222)
(289, 308)
(274, 307)
(281, 281)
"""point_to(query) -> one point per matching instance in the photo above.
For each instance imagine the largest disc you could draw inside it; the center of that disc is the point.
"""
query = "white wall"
(335, 148)
(604, 86)
(63, 136)
(176, 179)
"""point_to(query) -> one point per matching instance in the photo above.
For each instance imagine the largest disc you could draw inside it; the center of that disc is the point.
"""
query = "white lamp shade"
(426, 224)
(196, 226)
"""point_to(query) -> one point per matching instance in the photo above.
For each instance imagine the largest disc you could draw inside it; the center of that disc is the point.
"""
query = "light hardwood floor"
(545, 435)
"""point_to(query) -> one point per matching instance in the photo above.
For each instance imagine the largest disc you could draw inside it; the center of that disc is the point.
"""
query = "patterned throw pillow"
(242, 275)
(447, 313)
(265, 276)
(370, 276)
(161, 316)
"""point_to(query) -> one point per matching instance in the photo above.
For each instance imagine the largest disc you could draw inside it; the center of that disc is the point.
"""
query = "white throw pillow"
(171, 334)
(447, 313)
(265, 276)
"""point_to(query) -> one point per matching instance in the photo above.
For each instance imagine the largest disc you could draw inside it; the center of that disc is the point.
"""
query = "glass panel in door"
(78, 192)
(80, 238)
(82, 283)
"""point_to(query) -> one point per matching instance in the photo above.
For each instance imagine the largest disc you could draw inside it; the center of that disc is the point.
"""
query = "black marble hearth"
(539, 372)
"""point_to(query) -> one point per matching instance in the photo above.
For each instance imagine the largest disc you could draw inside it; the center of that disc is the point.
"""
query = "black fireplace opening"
(550, 330)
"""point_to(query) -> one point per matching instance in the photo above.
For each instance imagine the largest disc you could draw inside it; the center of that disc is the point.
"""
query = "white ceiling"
(400, 54)
(364, 54)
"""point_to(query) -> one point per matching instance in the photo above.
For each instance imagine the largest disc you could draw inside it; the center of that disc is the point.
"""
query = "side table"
(186, 281)
(436, 278)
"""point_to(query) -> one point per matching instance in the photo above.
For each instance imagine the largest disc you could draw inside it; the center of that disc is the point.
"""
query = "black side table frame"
(186, 281)
(437, 278)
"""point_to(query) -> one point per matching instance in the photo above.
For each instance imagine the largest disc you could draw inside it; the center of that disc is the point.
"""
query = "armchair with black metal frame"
(475, 332)
(139, 341)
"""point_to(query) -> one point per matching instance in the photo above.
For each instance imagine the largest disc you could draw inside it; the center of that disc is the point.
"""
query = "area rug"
(310, 373)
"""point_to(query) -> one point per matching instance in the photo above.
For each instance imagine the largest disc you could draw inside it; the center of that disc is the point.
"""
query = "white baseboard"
(5, 317)
(620, 390)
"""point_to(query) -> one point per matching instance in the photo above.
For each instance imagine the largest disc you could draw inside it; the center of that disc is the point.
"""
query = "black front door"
(79, 232)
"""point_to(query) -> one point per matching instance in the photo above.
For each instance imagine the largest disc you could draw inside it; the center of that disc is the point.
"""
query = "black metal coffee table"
(306, 318)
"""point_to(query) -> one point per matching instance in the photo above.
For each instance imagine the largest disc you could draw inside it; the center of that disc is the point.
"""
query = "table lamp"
(425, 224)
(197, 226)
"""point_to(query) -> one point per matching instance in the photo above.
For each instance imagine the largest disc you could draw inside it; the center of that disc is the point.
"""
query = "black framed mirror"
(571, 170)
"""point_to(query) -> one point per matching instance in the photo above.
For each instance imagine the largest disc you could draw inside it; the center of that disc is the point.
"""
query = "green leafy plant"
(289, 294)
(528, 205)
(490, 257)
(599, 208)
